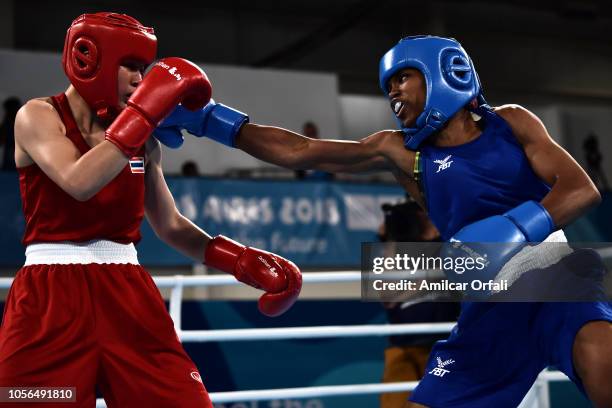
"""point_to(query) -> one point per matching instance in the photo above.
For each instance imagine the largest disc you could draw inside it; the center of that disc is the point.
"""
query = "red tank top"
(52, 215)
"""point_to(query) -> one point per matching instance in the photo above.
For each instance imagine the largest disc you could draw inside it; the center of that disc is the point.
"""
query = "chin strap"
(433, 122)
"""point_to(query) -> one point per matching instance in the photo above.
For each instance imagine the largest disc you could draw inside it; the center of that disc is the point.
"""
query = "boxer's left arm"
(278, 277)
(292, 150)
(573, 192)
(167, 222)
(279, 146)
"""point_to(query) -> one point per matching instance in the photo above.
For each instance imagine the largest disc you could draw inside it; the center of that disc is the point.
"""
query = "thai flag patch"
(137, 165)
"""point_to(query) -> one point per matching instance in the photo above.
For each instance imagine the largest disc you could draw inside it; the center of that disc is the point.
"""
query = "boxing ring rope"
(313, 332)
(539, 395)
(332, 391)
(178, 282)
(337, 390)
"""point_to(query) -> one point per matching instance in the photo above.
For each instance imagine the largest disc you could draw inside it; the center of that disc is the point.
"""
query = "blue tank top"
(484, 177)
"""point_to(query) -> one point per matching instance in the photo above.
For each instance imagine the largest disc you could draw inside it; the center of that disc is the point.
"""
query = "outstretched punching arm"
(288, 149)
(275, 145)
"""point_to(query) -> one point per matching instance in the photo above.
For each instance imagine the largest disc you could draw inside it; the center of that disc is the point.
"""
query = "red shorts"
(91, 325)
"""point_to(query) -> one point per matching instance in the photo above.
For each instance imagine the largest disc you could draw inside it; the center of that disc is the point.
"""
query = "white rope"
(311, 392)
(313, 332)
(304, 392)
(331, 390)
(229, 280)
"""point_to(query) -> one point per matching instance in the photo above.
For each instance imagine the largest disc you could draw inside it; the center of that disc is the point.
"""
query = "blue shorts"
(496, 351)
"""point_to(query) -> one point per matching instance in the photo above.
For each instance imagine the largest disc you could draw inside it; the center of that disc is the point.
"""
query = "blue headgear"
(450, 78)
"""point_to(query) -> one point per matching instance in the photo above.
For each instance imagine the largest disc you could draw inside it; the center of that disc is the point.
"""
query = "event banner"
(313, 223)
(316, 224)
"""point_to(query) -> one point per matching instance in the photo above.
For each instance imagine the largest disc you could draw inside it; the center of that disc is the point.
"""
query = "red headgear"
(95, 46)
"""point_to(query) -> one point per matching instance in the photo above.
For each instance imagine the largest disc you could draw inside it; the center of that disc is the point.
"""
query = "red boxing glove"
(171, 81)
(279, 278)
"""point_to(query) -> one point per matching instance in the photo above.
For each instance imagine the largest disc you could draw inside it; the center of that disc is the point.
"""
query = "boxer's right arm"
(40, 135)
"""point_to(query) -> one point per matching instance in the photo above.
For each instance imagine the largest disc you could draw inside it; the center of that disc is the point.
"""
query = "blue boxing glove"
(529, 222)
(169, 136)
(215, 121)
(496, 240)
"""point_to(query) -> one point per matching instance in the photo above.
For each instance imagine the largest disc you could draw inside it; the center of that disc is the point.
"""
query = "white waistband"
(97, 251)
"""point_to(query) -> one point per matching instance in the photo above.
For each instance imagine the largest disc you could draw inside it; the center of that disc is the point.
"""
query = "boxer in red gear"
(82, 312)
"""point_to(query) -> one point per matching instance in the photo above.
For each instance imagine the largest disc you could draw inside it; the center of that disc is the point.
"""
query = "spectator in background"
(593, 162)
(7, 132)
(406, 356)
(310, 129)
(190, 169)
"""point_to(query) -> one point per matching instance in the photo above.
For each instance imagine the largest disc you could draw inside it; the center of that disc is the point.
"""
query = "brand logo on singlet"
(196, 376)
(439, 371)
(443, 164)
(137, 165)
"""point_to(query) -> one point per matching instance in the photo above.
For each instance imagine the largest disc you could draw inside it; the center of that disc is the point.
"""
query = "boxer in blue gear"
(483, 174)
(450, 76)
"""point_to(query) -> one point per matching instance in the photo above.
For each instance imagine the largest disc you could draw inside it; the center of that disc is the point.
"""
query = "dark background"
(529, 52)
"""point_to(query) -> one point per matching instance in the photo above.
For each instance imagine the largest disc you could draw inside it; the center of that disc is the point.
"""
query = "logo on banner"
(137, 165)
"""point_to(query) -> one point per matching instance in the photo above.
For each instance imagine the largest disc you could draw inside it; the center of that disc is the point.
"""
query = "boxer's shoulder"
(38, 109)
(525, 125)
(511, 112)
(390, 143)
(36, 124)
(34, 106)
(38, 117)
